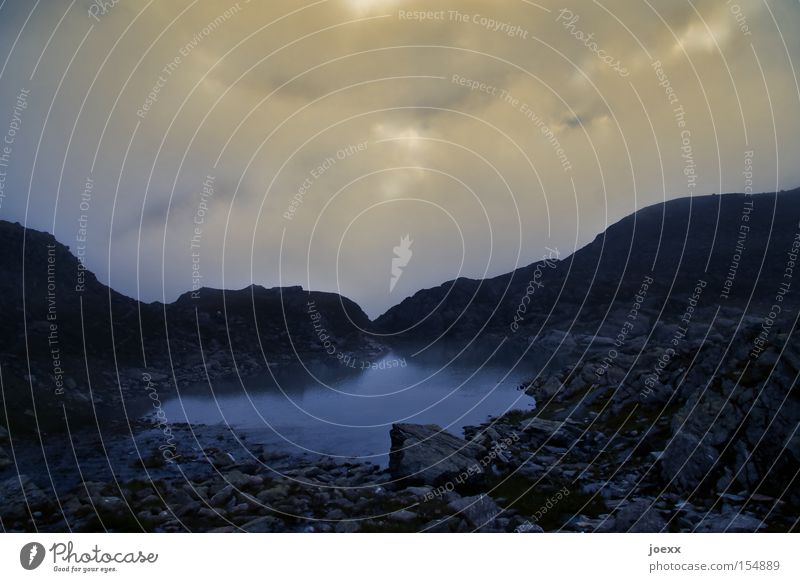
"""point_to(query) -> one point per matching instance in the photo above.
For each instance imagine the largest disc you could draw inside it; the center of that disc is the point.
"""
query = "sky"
(378, 147)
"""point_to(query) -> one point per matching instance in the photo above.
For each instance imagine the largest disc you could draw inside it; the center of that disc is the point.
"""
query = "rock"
(152, 460)
(240, 480)
(222, 460)
(14, 504)
(110, 505)
(549, 431)
(265, 524)
(207, 514)
(639, 517)
(687, 461)
(439, 526)
(479, 510)
(546, 389)
(417, 491)
(729, 523)
(336, 515)
(222, 497)
(279, 491)
(528, 527)
(745, 408)
(531, 470)
(146, 518)
(403, 516)
(151, 500)
(241, 509)
(427, 454)
(5, 460)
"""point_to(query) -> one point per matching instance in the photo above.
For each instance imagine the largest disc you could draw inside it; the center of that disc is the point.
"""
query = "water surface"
(348, 410)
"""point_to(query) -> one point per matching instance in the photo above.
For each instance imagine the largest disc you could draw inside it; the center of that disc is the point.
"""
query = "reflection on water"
(348, 411)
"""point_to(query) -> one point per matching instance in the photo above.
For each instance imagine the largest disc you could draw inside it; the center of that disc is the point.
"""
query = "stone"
(206, 514)
(240, 480)
(418, 491)
(639, 517)
(687, 461)
(729, 523)
(14, 504)
(220, 498)
(110, 505)
(403, 516)
(5, 460)
(427, 454)
(438, 526)
(190, 509)
(528, 527)
(222, 460)
(478, 510)
(266, 524)
(541, 431)
(336, 515)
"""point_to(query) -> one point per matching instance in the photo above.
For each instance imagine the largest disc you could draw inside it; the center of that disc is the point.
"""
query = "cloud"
(470, 116)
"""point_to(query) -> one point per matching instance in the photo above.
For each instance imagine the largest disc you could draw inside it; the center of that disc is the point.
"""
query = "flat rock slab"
(479, 510)
(427, 454)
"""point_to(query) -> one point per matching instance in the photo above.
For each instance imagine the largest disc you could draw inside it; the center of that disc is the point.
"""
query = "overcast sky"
(324, 132)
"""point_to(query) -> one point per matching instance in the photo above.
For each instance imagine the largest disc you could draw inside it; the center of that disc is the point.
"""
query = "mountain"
(68, 340)
(673, 404)
(738, 245)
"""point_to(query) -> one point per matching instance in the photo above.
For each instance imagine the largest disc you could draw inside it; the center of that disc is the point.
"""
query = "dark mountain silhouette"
(741, 239)
(69, 340)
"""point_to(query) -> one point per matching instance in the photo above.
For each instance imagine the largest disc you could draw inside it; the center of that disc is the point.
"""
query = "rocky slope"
(69, 341)
(710, 444)
(667, 398)
(737, 244)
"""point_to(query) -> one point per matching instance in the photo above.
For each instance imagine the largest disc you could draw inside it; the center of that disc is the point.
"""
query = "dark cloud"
(262, 101)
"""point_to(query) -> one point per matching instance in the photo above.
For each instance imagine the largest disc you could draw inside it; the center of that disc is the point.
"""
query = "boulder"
(731, 522)
(266, 524)
(540, 431)
(479, 510)
(18, 495)
(639, 516)
(222, 497)
(687, 460)
(403, 516)
(429, 455)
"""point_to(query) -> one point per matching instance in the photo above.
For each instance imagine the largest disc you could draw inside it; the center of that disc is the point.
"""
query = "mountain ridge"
(108, 339)
(183, 297)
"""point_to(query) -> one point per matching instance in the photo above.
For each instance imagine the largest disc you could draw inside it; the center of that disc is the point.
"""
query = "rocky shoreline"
(667, 396)
(211, 490)
(707, 445)
(521, 472)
